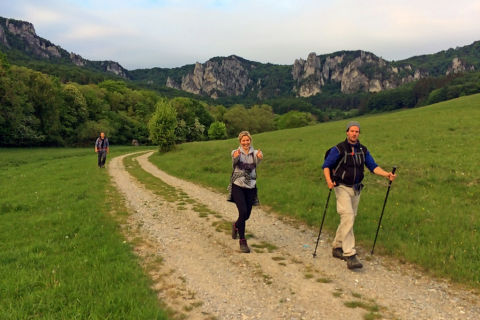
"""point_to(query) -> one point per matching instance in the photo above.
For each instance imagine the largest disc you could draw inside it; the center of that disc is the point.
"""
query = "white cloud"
(147, 33)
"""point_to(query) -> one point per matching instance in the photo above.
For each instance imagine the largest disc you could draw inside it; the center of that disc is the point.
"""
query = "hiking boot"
(338, 253)
(353, 262)
(244, 246)
(234, 231)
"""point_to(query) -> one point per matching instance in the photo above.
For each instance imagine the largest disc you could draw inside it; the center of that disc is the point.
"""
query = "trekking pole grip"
(393, 171)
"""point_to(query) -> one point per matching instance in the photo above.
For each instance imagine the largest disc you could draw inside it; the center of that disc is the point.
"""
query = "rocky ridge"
(225, 76)
(351, 71)
(345, 71)
(21, 35)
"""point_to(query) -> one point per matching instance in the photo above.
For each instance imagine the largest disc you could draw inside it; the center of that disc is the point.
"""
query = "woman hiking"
(243, 189)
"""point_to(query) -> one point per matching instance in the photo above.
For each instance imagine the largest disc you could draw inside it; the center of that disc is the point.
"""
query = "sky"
(172, 33)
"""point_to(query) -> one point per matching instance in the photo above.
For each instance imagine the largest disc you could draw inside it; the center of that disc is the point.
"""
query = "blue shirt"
(334, 155)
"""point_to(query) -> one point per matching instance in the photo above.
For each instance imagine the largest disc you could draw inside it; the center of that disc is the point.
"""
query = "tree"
(236, 119)
(217, 131)
(261, 118)
(294, 119)
(89, 131)
(217, 112)
(192, 117)
(73, 112)
(162, 126)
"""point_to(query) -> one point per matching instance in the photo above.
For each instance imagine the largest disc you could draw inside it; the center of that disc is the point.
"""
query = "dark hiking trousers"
(243, 198)
(102, 157)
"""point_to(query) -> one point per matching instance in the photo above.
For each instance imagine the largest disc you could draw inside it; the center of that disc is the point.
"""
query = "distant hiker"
(102, 148)
(243, 189)
(343, 169)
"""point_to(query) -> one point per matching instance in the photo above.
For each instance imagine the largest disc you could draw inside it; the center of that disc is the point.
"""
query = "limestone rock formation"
(77, 59)
(354, 71)
(458, 66)
(26, 31)
(172, 84)
(217, 77)
(308, 74)
(115, 68)
(38, 47)
(3, 36)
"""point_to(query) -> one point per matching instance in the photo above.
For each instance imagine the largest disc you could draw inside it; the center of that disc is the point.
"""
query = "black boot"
(338, 253)
(353, 262)
(244, 246)
(234, 231)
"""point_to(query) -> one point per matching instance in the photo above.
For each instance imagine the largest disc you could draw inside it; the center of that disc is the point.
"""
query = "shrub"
(162, 126)
(217, 131)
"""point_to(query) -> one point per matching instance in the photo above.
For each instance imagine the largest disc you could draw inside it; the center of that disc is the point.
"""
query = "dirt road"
(203, 275)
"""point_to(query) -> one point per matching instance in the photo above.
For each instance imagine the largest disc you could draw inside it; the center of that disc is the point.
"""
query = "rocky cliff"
(21, 36)
(26, 32)
(354, 71)
(345, 71)
(217, 77)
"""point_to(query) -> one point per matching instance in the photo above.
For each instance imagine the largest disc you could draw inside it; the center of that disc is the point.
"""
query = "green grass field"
(62, 255)
(432, 216)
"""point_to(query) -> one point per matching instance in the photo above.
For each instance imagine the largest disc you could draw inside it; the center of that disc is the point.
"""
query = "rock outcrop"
(345, 71)
(458, 66)
(115, 68)
(172, 84)
(26, 31)
(23, 37)
(77, 60)
(354, 71)
(217, 77)
(3, 37)
(308, 74)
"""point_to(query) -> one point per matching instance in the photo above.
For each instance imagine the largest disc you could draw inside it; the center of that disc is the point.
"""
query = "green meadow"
(431, 218)
(62, 255)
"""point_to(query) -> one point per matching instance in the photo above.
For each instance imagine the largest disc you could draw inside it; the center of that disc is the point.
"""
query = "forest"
(38, 109)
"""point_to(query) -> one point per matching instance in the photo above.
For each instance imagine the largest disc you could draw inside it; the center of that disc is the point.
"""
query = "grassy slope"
(61, 254)
(432, 215)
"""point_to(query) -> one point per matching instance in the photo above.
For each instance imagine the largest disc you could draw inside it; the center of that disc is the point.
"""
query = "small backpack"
(341, 150)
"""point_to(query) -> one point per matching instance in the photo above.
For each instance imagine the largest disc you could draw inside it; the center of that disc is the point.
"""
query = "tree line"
(37, 109)
(40, 110)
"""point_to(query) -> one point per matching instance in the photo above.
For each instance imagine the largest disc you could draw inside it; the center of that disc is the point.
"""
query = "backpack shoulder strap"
(342, 150)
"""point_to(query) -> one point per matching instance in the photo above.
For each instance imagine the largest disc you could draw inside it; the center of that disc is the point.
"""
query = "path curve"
(284, 284)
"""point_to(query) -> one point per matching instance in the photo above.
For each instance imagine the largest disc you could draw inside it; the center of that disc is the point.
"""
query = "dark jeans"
(102, 157)
(243, 198)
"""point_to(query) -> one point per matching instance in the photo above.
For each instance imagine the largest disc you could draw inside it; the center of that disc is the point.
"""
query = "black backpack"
(341, 150)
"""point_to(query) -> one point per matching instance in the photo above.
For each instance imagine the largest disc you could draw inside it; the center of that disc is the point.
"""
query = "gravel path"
(203, 275)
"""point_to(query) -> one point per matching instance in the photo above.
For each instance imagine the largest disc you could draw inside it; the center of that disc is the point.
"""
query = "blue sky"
(170, 33)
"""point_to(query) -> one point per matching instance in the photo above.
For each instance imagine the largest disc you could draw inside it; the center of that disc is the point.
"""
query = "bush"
(294, 119)
(162, 126)
(217, 131)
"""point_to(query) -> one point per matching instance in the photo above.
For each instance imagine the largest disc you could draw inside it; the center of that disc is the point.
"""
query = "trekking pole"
(383, 209)
(321, 225)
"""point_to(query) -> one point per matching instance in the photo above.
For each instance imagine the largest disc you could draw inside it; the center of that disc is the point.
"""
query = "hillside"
(23, 46)
(431, 217)
(244, 81)
(345, 72)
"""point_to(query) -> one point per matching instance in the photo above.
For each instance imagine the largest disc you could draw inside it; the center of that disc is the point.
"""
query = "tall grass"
(61, 253)
(432, 216)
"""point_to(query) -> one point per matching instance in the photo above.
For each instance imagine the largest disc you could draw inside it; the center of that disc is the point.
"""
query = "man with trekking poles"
(344, 171)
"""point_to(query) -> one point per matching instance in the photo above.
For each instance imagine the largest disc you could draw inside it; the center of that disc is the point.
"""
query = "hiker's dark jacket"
(102, 144)
(347, 167)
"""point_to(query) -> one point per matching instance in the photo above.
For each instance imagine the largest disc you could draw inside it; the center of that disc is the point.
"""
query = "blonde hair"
(243, 134)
